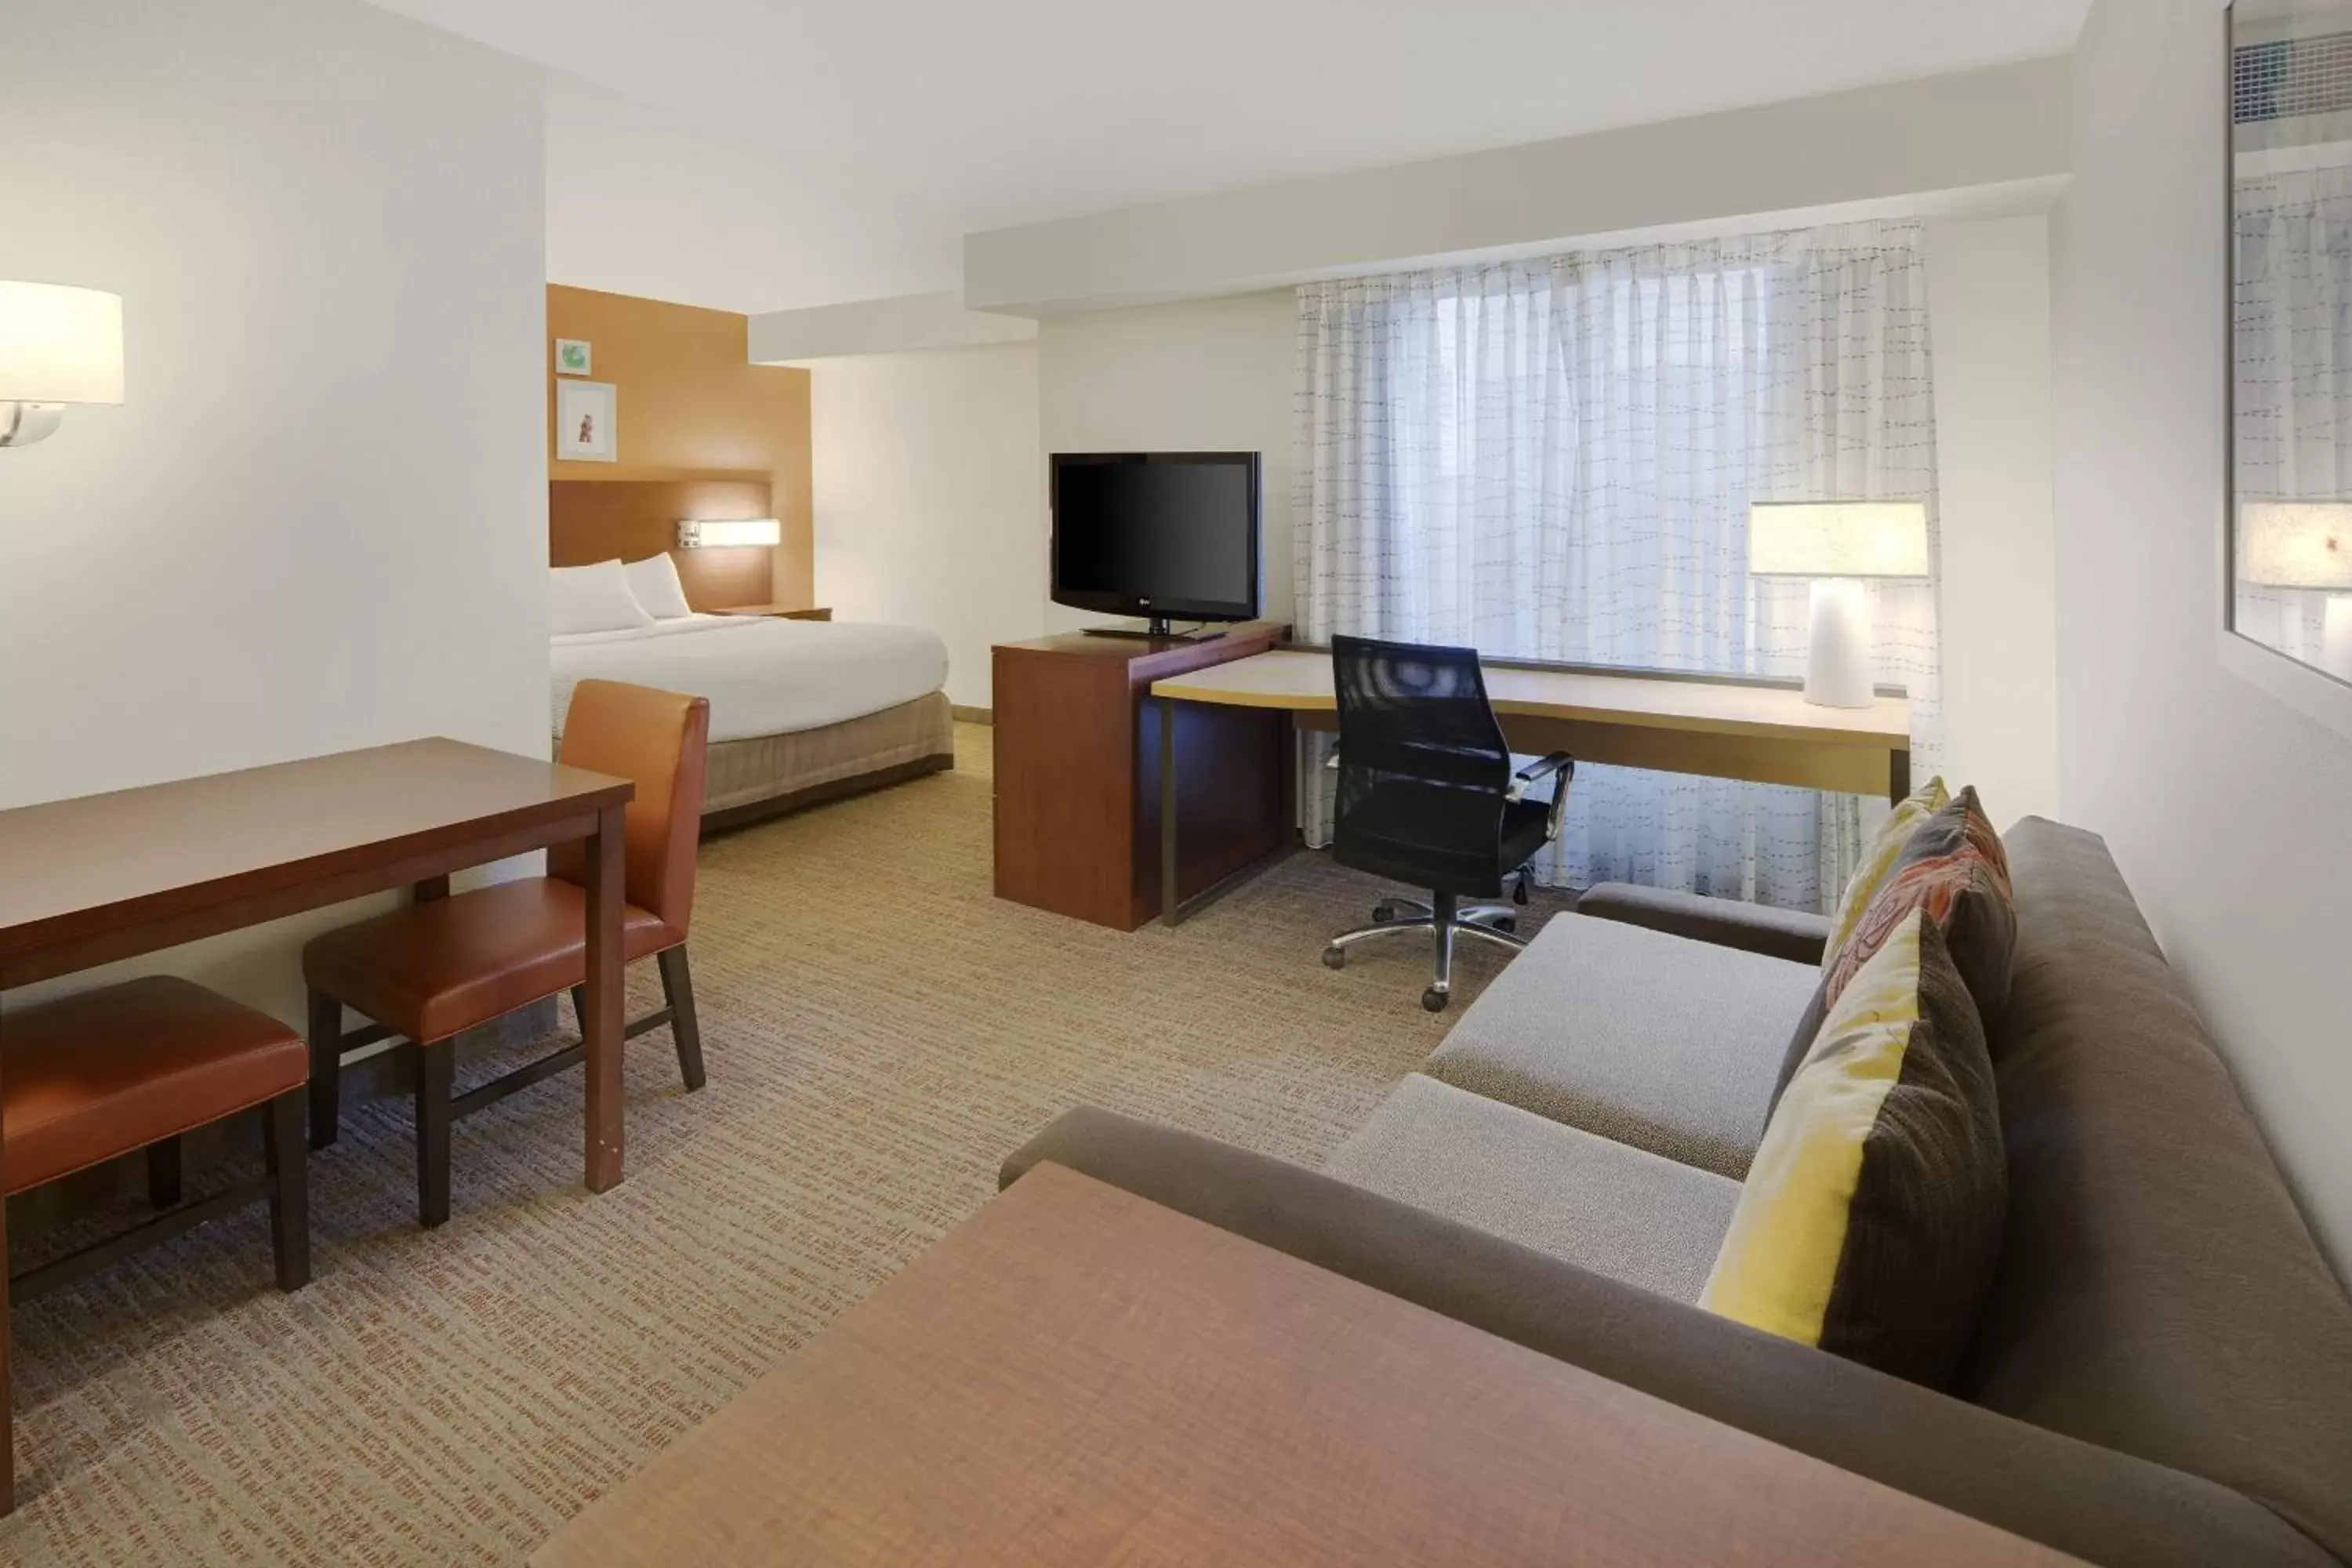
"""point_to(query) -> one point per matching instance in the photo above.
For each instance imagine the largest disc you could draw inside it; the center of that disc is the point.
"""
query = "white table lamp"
(1837, 544)
(57, 346)
(2306, 545)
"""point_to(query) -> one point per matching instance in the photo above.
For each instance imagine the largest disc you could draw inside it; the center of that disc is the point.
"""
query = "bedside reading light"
(729, 533)
(2305, 546)
(59, 346)
(1838, 543)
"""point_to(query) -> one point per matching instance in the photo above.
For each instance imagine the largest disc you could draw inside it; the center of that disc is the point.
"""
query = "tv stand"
(1077, 774)
(1159, 629)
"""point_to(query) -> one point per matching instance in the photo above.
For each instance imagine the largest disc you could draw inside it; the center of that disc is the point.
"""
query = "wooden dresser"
(1077, 774)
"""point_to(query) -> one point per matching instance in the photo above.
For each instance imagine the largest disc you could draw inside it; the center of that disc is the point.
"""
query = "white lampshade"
(731, 533)
(59, 344)
(1838, 539)
(2296, 544)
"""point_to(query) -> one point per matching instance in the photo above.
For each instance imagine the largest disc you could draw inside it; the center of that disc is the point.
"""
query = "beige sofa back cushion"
(2158, 1293)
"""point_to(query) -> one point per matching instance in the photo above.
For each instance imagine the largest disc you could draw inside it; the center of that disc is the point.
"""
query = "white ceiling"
(761, 155)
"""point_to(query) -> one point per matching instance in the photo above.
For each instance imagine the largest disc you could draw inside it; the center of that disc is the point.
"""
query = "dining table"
(103, 878)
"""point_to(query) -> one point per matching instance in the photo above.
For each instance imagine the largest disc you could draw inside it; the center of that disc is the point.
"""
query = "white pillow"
(655, 583)
(593, 599)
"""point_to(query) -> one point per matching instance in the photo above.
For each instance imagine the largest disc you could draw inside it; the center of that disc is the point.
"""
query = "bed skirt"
(766, 774)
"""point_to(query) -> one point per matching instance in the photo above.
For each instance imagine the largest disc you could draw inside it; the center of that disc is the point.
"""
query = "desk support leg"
(1170, 901)
(601, 1029)
(1898, 776)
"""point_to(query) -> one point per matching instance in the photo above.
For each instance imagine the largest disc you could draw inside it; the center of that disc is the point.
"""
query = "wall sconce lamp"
(2305, 546)
(1838, 543)
(729, 533)
(59, 346)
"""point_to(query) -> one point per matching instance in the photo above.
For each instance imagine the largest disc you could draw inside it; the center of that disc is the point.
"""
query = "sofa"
(2160, 1374)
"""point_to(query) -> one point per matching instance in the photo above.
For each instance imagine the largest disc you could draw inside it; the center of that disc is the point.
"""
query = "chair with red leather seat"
(435, 969)
(92, 1077)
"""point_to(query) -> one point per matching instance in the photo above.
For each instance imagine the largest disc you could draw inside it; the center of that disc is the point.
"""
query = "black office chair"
(1427, 797)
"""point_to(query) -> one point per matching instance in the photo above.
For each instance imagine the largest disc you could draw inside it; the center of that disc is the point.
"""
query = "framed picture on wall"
(587, 430)
(571, 356)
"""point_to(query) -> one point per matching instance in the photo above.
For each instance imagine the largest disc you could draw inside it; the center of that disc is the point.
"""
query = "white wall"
(923, 515)
(1208, 375)
(1947, 143)
(930, 501)
(2224, 806)
(1989, 319)
(318, 520)
(896, 323)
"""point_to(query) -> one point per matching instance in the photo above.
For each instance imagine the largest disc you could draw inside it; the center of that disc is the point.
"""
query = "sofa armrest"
(2093, 1502)
(1798, 935)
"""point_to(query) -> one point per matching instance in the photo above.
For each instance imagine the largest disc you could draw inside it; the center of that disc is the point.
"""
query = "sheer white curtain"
(1554, 459)
(2294, 345)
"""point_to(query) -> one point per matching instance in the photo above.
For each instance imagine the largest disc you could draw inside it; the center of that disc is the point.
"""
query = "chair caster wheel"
(1508, 925)
(1335, 958)
(1381, 913)
(1519, 893)
(1434, 1000)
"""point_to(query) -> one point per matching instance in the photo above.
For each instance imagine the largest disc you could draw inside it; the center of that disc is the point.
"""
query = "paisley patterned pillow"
(1955, 870)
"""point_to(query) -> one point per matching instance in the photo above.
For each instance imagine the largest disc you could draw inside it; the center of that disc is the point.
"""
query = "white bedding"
(765, 676)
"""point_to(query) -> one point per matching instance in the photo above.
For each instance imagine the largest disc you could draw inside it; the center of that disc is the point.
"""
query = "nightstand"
(821, 613)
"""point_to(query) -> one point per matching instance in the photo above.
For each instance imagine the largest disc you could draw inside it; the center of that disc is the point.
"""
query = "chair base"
(1446, 918)
(284, 1183)
(440, 1105)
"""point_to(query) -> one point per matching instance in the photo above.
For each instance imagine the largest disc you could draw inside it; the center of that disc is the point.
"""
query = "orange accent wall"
(688, 402)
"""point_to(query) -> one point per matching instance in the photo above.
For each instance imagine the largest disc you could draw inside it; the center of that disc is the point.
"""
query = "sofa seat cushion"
(1653, 1040)
(1600, 1205)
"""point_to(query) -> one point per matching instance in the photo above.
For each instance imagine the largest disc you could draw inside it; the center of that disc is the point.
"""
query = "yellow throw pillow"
(1870, 1222)
(1878, 857)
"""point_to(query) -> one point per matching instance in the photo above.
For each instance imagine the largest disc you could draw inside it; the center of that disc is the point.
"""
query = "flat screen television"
(1172, 536)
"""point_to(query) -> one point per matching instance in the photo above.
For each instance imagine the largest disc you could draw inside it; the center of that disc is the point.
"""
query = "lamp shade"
(731, 533)
(59, 344)
(2296, 544)
(1838, 539)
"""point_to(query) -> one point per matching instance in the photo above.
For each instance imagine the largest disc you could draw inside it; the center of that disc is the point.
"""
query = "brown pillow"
(1870, 1224)
(1955, 869)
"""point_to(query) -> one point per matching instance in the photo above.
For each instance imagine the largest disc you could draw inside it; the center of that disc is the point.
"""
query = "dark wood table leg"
(432, 888)
(1171, 899)
(601, 1029)
(1898, 776)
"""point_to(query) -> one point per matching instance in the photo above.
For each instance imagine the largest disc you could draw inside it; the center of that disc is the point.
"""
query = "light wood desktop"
(1762, 732)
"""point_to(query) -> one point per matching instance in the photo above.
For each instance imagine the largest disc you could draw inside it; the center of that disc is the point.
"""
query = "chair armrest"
(1798, 935)
(2096, 1503)
(1559, 763)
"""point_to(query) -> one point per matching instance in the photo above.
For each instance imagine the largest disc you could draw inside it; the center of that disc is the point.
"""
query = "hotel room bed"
(799, 710)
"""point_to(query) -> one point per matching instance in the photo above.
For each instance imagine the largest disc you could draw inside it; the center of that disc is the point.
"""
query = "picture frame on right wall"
(587, 422)
(2288, 534)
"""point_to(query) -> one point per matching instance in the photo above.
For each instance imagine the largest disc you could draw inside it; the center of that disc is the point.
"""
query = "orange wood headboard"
(590, 521)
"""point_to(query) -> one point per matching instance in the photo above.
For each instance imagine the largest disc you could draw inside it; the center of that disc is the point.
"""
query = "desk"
(1078, 1376)
(1761, 733)
(109, 876)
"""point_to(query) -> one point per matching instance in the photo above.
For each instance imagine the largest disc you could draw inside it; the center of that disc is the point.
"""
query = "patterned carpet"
(880, 1032)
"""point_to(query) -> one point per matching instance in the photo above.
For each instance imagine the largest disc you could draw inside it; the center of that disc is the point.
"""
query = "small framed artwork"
(571, 356)
(586, 429)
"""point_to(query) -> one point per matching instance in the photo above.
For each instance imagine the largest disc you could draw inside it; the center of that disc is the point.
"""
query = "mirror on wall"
(2290, 555)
